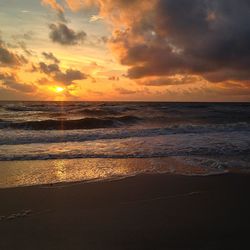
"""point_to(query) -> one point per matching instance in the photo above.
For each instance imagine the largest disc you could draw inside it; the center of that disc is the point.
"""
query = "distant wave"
(46, 107)
(86, 123)
(154, 113)
(96, 112)
(21, 108)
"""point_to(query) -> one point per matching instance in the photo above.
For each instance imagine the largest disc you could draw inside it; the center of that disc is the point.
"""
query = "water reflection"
(22, 173)
(60, 170)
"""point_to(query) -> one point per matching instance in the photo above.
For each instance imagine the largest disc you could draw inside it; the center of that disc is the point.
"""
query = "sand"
(143, 212)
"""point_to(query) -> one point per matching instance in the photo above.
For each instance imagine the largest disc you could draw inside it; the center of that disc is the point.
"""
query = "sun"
(58, 89)
(57, 92)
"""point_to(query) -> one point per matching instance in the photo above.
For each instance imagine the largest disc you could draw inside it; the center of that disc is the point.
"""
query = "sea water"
(51, 142)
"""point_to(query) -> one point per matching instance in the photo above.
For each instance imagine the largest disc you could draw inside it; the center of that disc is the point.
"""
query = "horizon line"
(127, 101)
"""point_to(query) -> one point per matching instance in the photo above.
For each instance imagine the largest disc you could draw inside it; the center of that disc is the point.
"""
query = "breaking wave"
(85, 123)
(24, 136)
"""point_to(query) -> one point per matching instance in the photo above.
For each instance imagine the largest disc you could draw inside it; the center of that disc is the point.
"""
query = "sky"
(125, 50)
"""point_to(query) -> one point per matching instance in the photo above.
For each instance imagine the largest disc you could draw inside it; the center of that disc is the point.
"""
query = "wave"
(160, 113)
(235, 162)
(43, 107)
(86, 123)
(35, 108)
(16, 137)
(96, 112)
(203, 157)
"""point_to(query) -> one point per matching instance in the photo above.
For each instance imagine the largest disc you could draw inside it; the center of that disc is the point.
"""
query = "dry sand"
(142, 212)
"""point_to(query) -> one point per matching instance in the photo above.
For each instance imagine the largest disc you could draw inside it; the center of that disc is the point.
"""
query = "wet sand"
(143, 212)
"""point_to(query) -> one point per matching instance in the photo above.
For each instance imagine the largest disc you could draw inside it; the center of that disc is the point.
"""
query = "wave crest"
(86, 123)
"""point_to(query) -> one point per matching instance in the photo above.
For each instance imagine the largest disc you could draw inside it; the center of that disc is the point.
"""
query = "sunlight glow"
(59, 89)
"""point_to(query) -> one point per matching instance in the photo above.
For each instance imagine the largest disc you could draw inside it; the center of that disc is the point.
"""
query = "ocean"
(58, 142)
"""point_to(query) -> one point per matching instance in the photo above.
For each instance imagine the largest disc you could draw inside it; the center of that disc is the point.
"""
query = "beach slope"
(143, 212)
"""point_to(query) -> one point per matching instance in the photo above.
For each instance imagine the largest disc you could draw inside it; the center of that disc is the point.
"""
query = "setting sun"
(58, 89)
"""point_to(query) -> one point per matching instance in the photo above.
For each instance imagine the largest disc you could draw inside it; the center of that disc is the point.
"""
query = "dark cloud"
(104, 39)
(23, 46)
(114, 78)
(70, 76)
(11, 82)
(61, 33)
(33, 68)
(50, 56)
(49, 68)
(54, 71)
(9, 58)
(197, 37)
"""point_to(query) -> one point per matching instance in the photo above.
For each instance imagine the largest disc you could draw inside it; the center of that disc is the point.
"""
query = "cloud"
(61, 17)
(164, 38)
(53, 4)
(6, 77)
(48, 68)
(124, 91)
(95, 18)
(43, 81)
(58, 8)
(198, 37)
(170, 80)
(54, 72)
(226, 91)
(23, 46)
(69, 76)
(11, 82)
(104, 39)
(62, 34)
(26, 36)
(9, 58)
(232, 89)
(50, 56)
(95, 92)
(114, 78)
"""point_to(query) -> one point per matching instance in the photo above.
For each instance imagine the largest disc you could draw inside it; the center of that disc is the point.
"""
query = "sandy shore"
(143, 212)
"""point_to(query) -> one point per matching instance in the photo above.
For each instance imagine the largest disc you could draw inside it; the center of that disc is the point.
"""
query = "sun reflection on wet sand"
(60, 169)
(23, 173)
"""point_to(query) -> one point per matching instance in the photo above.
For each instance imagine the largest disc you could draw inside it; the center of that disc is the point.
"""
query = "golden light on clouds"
(56, 91)
(123, 50)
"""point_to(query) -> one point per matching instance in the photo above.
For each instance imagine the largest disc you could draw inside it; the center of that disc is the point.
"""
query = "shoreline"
(67, 171)
(66, 184)
(160, 211)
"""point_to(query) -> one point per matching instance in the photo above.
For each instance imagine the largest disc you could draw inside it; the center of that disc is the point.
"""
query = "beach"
(129, 175)
(148, 211)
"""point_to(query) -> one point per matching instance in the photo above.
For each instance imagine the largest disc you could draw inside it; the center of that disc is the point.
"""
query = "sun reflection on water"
(21, 173)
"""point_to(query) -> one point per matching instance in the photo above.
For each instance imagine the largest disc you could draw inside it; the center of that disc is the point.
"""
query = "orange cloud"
(78, 4)
(53, 4)
(116, 11)
(200, 41)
